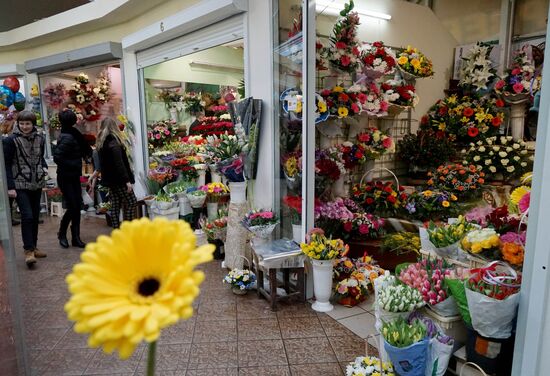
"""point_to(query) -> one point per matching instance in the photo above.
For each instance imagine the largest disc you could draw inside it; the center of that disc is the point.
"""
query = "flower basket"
(395, 109)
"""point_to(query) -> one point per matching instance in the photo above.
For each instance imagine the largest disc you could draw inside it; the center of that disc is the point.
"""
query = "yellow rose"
(476, 248)
(402, 60)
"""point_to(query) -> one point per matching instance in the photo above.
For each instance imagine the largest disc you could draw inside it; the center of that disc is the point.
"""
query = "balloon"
(12, 83)
(6, 96)
(19, 101)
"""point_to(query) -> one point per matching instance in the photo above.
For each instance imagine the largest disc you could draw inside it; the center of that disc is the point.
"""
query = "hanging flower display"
(378, 60)
(399, 94)
(342, 103)
(414, 62)
(375, 142)
(55, 95)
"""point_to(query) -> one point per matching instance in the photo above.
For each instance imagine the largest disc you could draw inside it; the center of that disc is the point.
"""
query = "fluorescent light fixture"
(333, 8)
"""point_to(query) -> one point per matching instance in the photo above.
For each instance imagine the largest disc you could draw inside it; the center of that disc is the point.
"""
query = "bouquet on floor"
(352, 290)
(344, 53)
(369, 366)
(406, 345)
(240, 279)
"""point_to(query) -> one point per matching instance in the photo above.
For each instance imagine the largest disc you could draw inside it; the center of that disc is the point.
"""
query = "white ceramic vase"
(201, 180)
(517, 120)
(297, 233)
(212, 210)
(215, 174)
(322, 285)
(237, 192)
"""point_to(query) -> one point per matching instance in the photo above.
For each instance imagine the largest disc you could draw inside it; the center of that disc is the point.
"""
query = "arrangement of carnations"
(457, 179)
(431, 205)
(378, 60)
(482, 240)
(160, 133)
(500, 155)
(369, 366)
(375, 142)
(379, 198)
(465, 118)
(519, 80)
(215, 192)
(352, 290)
(414, 62)
(363, 226)
(399, 298)
(240, 279)
(319, 247)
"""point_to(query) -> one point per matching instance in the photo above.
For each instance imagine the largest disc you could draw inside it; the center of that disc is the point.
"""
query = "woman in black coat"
(70, 150)
(116, 173)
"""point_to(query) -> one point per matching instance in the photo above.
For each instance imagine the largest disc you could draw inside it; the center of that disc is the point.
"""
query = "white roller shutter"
(207, 37)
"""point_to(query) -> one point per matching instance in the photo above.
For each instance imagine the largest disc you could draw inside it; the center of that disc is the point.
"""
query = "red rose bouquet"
(378, 60)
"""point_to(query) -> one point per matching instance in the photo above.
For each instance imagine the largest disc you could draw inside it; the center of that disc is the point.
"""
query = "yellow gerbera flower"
(518, 193)
(338, 89)
(342, 112)
(130, 285)
(415, 63)
(445, 204)
(322, 106)
(526, 178)
(402, 60)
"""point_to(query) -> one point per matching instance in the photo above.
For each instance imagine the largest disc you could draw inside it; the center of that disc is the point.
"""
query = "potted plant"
(321, 252)
(240, 280)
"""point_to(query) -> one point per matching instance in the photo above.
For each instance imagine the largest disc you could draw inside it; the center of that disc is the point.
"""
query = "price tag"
(292, 103)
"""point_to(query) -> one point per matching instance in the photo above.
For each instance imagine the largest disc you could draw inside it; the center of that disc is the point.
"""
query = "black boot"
(76, 241)
(62, 234)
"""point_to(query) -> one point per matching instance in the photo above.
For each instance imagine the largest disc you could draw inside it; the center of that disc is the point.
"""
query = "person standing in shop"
(116, 173)
(70, 150)
(26, 171)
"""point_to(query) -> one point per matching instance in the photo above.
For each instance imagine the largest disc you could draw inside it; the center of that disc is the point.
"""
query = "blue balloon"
(19, 101)
(6, 96)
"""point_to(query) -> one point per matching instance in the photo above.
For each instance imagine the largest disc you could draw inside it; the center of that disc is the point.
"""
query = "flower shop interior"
(367, 164)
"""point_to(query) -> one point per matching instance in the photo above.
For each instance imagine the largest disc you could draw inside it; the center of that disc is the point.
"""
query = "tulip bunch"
(444, 236)
(401, 334)
(428, 277)
(399, 298)
(495, 291)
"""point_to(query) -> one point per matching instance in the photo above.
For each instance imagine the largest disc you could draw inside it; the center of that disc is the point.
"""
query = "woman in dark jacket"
(70, 150)
(116, 173)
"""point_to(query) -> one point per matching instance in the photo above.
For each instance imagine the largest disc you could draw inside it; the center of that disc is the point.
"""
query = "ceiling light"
(334, 8)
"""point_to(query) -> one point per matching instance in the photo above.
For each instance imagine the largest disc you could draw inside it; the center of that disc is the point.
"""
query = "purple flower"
(411, 208)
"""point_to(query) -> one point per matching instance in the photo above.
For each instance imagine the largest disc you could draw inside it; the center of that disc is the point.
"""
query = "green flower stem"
(151, 359)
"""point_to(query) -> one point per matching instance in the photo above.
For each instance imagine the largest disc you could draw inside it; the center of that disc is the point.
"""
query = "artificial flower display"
(430, 205)
(134, 283)
(399, 298)
(414, 62)
(446, 235)
(378, 60)
(382, 199)
(375, 143)
(369, 366)
(399, 94)
(160, 133)
(240, 279)
(344, 53)
(482, 240)
(363, 226)
(456, 178)
(500, 155)
(466, 118)
(400, 333)
(352, 290)
(519, 78)
(319, 247)
(477, 71)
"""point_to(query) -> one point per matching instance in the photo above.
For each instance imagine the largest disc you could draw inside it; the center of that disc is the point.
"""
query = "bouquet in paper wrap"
(260, 222)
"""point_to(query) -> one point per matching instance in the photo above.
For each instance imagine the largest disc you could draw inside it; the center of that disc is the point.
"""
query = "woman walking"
(25, 175)
(116, 173)
(71, 149)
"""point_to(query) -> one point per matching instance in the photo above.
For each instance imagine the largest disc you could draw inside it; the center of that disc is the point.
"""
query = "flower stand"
(322, 285)
(56, 209)
(236, 244)
(237, 192)
(201, 180)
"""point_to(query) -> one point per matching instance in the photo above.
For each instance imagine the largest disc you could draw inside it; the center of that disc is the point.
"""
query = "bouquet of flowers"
(371, 99)
(457, 178)
(213, 126)
(326, 172)
(344, 52)
(256, 220)
(196, 198)
(465, 118)
(519, 79)
(353, 290)
(215, 191)
(292, 165)
(160, 133)
(520, 199)
(511, 248)
(400, 333)
(401, 242)
(161, 175)
(482, 240)
(342, 103)
(413, 62)
(425, 149)
(353, 154)
(215, 229)
(399, 94)
(496, 291)
(378, 60)
(55, 95)
(500, 155)
(319, 247)
(240, 279)
(54, 195)
(477, 72)
(502, 221)
(294, 204)
(369, 366)
(169, 96)
(102, 89)
(363, 225)
(430, 204)
(375, 142)
(399, 298)
(428, 277)
(379, 198)
(447, 235)
(193, 103)
(342, 268)
(222, 147)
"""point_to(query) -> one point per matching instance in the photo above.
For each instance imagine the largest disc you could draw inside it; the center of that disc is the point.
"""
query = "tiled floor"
(228, 335)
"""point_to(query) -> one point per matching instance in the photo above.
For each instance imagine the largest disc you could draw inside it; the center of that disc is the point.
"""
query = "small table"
(281, 254)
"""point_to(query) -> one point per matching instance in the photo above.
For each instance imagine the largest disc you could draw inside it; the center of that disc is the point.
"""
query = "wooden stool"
(56, 209)
(291, 263)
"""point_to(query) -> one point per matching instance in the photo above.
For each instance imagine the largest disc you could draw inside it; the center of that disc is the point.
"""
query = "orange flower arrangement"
(513, 253)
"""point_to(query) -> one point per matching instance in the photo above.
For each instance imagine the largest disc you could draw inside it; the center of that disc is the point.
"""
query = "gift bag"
(411, 360)
(438, 357)
(446, 308)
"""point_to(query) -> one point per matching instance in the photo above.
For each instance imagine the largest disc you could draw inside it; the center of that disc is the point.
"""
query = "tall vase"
(322, 285)
(185, 206)
(237, 192)
(201, 180)
(173, 114)
(214, 174)
(212, 210)
(517, 120)
(297, 233)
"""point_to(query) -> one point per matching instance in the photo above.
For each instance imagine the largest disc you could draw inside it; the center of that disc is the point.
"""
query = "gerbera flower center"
(148, 286)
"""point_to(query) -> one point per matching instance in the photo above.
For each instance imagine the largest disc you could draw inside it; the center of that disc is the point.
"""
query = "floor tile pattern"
(229, 335)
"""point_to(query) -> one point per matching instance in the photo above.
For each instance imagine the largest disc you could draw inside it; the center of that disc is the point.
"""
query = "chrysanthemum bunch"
(369, 366)
(239, 278)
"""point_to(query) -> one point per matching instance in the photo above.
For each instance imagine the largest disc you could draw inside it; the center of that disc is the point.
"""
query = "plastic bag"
(446, 308)
(411, 360)
(86, 199)
(459, 294)
(491, 317)
(438, 357)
